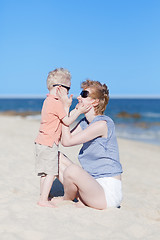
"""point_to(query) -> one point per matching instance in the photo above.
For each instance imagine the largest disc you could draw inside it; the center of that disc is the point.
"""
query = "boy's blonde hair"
(58, 76)
(97, 91)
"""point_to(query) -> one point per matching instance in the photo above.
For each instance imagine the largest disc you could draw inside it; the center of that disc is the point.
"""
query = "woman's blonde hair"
(59, 76)
(97, 91)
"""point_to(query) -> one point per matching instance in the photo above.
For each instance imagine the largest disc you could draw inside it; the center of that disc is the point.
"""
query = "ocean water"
(144, 126)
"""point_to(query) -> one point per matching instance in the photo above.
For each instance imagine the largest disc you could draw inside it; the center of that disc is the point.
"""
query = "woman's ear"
(96, 102)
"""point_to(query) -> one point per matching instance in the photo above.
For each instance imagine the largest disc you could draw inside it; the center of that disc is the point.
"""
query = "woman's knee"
(71, 171)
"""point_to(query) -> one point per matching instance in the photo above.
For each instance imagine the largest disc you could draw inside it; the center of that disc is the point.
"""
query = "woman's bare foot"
(80, 205)
(57, 200)
(46, 204)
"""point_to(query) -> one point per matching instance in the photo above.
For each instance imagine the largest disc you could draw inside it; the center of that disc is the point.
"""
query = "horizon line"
(25, 96)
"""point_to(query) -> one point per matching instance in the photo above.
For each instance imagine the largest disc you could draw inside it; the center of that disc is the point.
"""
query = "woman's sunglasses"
(68, 88)
(84, 94)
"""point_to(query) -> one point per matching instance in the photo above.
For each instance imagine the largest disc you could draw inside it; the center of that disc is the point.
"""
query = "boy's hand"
(83, 108)
(67, 101)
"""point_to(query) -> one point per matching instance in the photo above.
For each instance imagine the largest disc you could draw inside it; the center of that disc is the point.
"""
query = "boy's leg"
(42, 179)
(45, 190)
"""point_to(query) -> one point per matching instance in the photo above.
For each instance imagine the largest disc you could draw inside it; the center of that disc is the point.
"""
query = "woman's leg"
(75, 179)
(64, 162)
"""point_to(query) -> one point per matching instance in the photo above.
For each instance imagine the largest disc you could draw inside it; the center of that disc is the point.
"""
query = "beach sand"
(22, 219)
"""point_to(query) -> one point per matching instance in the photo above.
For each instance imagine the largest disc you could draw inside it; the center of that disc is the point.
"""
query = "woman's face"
(84, 97)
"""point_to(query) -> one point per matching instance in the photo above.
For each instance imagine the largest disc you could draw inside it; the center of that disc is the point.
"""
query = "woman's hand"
(83, 108)
(62, 94)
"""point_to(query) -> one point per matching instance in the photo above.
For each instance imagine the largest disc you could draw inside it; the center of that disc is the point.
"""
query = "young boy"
(52, 116)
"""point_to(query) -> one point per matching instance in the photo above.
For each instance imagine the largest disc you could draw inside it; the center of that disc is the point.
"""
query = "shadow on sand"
(56, 189)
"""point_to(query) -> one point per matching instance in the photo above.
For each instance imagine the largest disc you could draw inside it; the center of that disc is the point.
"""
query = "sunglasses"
(84, 94)
(68, 88)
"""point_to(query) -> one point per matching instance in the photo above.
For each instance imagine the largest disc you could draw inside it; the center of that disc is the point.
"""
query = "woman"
(97, 183)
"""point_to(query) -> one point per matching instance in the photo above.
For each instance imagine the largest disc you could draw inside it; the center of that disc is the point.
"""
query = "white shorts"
(113, 190)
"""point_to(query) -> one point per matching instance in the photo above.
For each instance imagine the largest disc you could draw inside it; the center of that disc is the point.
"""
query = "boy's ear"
(96, 102)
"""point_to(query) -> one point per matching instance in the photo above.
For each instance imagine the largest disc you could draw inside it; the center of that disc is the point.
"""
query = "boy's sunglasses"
(68, 88)
(84, 94)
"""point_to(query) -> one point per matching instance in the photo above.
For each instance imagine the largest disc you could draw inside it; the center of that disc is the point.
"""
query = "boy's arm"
(73, 111)
(70, 118)
(74, 114)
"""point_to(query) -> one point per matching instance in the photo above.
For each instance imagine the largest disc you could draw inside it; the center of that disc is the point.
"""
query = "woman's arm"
(67, 120)
(97, 129)
(76, 129)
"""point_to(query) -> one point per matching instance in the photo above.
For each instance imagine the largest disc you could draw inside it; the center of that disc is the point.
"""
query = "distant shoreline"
(111, 97)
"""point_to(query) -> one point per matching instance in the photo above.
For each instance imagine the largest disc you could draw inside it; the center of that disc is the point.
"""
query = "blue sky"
(116, 42)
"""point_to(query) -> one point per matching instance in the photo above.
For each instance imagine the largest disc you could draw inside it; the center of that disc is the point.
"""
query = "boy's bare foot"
(46, 204)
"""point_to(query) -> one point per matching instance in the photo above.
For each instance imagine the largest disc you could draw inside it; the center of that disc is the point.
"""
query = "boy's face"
(65, 88)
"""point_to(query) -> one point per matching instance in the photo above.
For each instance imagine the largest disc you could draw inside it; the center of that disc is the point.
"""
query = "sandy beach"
(21, 218)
